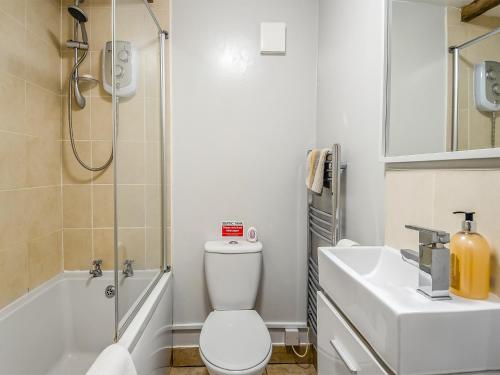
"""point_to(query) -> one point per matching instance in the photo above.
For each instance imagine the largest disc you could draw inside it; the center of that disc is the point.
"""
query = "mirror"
(441, 100)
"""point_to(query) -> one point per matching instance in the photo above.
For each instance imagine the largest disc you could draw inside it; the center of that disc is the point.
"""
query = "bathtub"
(61, 327)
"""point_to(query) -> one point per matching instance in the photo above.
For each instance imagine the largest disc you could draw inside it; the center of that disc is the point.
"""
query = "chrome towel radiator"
(325, 225)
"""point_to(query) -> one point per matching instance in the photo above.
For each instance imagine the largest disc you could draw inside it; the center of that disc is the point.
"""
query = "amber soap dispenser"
(470, 261)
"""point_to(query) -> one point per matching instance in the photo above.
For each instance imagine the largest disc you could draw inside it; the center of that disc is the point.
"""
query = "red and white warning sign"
(232, 229)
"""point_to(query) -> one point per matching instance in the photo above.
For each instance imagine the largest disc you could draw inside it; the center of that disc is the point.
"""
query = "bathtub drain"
(109, 291)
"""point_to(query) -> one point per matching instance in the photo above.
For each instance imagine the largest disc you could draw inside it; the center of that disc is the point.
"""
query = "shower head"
(79, 15)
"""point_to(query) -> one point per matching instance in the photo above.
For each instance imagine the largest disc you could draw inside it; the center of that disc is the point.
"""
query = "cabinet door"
(340, 350)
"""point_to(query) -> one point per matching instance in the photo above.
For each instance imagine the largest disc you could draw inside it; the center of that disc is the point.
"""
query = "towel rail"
(323, 225)
(321, 212)
(320, 229)
(312, 217)
(324, 238)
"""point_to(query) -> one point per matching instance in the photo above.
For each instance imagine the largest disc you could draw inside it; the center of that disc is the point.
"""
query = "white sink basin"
(376, 290)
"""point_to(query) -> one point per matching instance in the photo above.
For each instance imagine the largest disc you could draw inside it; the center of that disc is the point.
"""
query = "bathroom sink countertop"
(377, 291)
(381, 270)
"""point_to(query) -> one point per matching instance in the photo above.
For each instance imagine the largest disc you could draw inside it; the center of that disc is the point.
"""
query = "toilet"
(234, 338)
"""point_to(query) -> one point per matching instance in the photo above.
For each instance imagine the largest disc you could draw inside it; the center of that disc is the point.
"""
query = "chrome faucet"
(433, 262)
(128, 271)
(96, 270)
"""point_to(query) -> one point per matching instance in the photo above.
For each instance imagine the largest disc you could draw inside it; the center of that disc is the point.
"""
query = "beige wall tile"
(44, 212)
(131, 245)
(15, 8)
(153, 205)
(13, 160)
(77, 206)
(12, 45)
(151, 66)
(130, 23)
(153, 164)
(44, 19)
(131, 121)
(13, 217)
(409, 200)
(100, 21)
(102, 118)
(153, 247)
(131, 211)
(43, 63)
(13, 273)
(152, 119)
(12, 103)
(43, 115)
(44, 161)
(44, 258)
(104, 247)
(103, 206)
(77, 249)
(131, 163)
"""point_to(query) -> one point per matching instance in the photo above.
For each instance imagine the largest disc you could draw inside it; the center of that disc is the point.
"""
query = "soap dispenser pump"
(470, 261)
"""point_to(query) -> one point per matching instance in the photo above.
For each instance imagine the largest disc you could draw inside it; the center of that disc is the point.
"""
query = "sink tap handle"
(430, 236)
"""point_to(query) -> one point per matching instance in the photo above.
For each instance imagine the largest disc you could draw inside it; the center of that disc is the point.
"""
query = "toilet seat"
(235, 340)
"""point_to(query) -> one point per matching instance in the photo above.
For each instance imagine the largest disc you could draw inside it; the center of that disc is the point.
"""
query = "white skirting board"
(189, 334)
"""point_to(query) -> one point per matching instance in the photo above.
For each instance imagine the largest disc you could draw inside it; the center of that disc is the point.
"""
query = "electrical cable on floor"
(307, 347)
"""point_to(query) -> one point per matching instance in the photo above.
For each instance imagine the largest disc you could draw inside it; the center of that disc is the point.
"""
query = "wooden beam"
(476, 8)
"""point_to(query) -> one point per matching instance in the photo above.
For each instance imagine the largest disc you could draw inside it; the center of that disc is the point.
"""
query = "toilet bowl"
(234, 338)
(235, 342)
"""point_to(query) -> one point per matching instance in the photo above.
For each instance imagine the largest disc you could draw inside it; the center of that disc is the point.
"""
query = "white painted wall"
(350, 106)
(419, 78)
(242, 123)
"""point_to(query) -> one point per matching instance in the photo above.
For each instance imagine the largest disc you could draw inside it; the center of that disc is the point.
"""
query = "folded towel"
(114, 360)
(315, 169)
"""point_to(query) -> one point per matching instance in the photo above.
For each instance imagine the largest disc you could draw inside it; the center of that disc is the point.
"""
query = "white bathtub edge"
(136, 327)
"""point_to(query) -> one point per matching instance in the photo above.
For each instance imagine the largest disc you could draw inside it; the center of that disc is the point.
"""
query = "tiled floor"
(270, 370)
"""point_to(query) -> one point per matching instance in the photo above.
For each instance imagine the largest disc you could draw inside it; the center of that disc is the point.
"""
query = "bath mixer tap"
(128, 270)
(433, 262)
(96, 270)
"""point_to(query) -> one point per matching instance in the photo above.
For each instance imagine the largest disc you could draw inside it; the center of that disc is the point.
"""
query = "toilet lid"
(235, 340)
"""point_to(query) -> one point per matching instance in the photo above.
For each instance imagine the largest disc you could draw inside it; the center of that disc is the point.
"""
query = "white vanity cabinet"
(340, 350)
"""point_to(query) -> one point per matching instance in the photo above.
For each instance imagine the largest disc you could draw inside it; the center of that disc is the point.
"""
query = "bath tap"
(128, 271)
(433, 262)
(96, 270)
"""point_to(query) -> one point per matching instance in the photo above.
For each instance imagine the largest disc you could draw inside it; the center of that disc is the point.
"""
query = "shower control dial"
(123, 55)
(119, 71)
(491, 75)
(496, 89)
